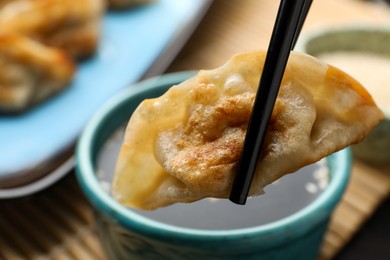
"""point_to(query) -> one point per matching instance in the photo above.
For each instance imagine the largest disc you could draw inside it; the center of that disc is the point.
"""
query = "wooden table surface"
(57, 223)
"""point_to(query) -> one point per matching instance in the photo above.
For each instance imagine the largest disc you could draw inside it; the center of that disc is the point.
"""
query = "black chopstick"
(302, 18)
(289, 20)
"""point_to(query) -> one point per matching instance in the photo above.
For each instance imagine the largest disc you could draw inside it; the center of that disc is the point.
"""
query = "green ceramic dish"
(375, 148)
(128, 235)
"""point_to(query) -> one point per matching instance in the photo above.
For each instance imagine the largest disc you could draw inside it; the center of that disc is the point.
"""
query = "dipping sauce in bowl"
(284, 197)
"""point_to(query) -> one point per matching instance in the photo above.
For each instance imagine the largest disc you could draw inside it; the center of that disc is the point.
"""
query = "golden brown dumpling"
(73, 25)
(30, 72)
(185, 145)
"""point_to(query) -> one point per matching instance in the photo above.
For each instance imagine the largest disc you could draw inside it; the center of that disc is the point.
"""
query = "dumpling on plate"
(72, 25)
(186, 144)
(30, 72)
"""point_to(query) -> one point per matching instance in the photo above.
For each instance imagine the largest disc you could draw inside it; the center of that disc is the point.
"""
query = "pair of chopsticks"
(289, 21)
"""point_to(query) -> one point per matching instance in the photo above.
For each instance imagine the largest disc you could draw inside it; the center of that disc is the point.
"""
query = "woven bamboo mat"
(58, 223)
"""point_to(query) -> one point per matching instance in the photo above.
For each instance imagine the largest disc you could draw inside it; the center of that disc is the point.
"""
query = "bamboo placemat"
(58, 223)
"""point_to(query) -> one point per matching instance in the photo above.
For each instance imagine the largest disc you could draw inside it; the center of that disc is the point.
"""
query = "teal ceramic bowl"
(375, 149)
(127, 235)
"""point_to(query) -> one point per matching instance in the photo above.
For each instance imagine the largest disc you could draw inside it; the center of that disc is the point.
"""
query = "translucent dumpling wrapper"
(186, 144)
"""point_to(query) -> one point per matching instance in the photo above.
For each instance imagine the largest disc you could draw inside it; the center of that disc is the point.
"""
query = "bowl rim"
(318, 32)
(105, 204)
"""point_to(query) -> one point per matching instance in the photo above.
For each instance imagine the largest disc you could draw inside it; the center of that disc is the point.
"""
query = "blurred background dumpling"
(72, 25)
(30, 72)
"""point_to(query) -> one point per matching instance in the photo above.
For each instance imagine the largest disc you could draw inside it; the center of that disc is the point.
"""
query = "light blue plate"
(134, 43)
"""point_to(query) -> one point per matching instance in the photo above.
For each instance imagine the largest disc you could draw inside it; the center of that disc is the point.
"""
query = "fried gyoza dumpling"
(185, 145)
(30, 72)
(72, 25)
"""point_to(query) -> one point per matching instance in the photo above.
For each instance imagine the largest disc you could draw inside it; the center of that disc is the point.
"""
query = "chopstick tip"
(239, 199)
